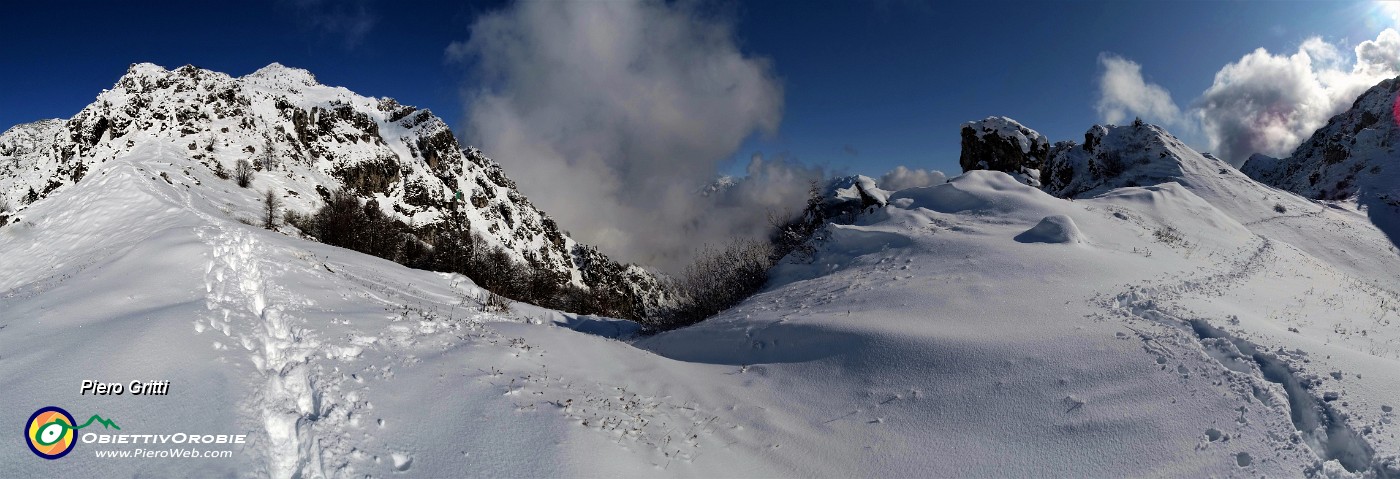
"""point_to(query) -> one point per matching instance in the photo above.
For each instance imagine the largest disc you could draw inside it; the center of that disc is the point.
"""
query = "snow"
(923, 339)
(1007, 128)
(1058, 229)
(857, 189)
(1194, 330)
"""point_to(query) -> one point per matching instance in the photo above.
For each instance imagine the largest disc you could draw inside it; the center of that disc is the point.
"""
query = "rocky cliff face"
(304, 141)
(1002, 144)
(1353, 156)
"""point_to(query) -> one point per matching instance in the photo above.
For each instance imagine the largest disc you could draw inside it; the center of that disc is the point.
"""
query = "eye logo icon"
(50, 432)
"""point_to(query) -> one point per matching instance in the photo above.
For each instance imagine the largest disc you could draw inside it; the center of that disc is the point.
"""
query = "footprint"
(1244, 459)
(1073, 402)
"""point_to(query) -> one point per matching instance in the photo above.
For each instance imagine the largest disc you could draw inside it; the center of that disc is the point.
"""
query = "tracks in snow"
(1322, 428)
(287, 403)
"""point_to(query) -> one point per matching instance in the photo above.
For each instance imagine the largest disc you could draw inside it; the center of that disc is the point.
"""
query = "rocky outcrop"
(1002, 144)
(1115, 156)
(853, 193)
(1111, 156)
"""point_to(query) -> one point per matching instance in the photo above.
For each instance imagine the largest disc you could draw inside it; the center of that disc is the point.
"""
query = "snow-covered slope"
(334, 363)
(305, 140)
(925, 339)
(1143, 155)
(1207, 326)
(929, 338)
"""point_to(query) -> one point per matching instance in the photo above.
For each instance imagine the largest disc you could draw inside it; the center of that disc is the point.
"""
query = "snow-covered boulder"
(1057, 229)
(1001, 144)
(854, 192)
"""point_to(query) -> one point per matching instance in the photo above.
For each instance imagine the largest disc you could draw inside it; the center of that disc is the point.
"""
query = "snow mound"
(984, 192)
(1056, 229)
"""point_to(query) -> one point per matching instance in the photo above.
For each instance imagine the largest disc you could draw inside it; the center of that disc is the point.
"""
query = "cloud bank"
(901, 178)
(613, 116)
(1264, 102)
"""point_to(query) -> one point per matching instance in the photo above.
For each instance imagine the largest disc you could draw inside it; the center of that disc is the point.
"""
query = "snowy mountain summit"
(305, 140)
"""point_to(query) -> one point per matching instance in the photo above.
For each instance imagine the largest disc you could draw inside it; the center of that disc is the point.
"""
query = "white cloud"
(1264, 102)
(1124, 92)
(612, 115)
(1380, 56)
(902, 178)
(1269, 103)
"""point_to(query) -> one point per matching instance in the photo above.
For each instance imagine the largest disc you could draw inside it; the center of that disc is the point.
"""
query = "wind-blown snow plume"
(1265, 102)
(1123, 92)
(613, 114)
(903, 178)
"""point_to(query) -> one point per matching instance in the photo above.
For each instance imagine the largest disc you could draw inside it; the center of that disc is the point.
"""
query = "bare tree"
(269, 155)
(243, 173)
(271, 204)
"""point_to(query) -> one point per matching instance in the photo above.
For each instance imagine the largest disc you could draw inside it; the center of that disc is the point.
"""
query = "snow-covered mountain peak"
(279, 73)
(143, 70)
(304, 140)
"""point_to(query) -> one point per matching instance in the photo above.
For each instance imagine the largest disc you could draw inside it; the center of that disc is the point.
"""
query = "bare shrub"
(718, 279)
(243, 173)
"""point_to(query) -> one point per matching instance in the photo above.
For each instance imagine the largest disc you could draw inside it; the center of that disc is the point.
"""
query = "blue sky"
(866, 85)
